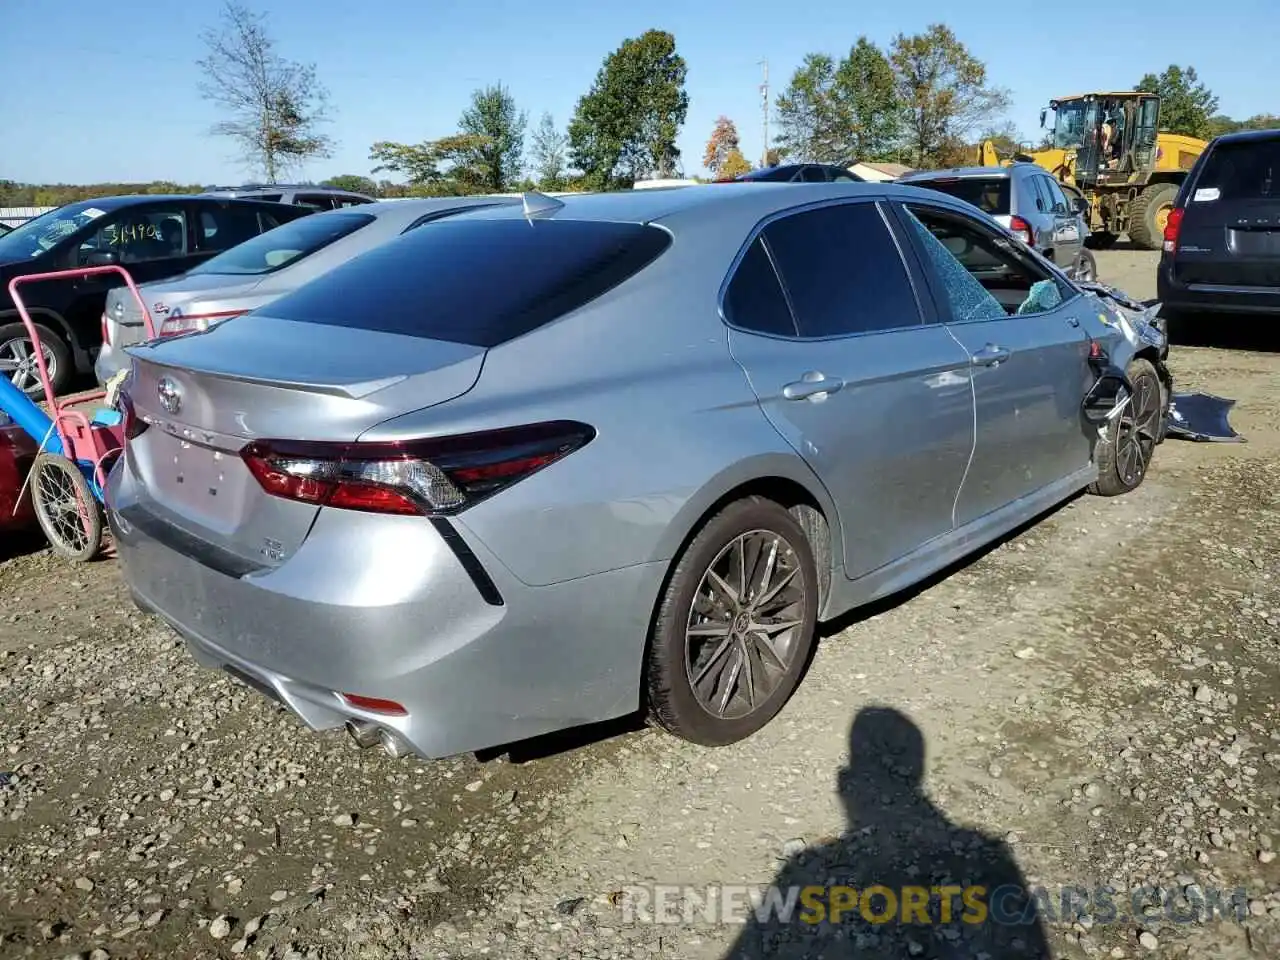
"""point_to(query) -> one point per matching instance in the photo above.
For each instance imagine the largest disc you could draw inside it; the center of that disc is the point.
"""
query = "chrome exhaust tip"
(364, 732)
(393, 745)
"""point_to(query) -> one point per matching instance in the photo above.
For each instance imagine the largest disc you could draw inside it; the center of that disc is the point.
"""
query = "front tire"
(735, 625)
(17, 359)
(1124, 456)
(1086, 267)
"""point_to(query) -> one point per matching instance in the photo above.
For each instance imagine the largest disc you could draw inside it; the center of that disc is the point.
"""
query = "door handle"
(812, 386)
(990, 356)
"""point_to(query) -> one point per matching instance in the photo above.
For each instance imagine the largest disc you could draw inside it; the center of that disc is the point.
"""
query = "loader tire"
(1148, 214)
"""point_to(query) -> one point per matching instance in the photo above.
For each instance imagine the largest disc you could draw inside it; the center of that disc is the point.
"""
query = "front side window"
(141, 236)
(983, 277)
(277, 248)
(842, 270)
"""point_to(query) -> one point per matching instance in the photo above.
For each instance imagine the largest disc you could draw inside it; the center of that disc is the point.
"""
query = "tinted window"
(158, 233)
(988, 194)
(1243, 170)
(221, 228)
(316, 202)
(276, 248)
(1039, 194)
(842, 270)
(814, 175)
(754, 299)
(481, 282)
(1056, 197)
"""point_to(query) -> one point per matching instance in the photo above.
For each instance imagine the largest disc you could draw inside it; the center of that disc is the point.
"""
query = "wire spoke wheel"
(18, 363)
(745, 624)
(67, 511)
(1137, 431)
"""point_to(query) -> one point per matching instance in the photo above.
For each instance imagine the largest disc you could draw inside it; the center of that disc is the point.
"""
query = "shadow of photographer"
(902, 880)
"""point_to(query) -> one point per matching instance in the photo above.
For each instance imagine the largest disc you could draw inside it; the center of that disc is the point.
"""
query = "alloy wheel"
(745, 623)
(1137, 431)
(18, 363)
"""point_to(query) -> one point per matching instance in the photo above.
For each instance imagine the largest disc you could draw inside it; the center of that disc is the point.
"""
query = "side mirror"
(1043, 114)
(1108, 397)
(1081, 205)
(100, 258)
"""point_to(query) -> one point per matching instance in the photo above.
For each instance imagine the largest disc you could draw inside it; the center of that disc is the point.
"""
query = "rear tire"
(15, 344)
(735, 626)
(1086, 267)
(1124, 457)
(1147, 215)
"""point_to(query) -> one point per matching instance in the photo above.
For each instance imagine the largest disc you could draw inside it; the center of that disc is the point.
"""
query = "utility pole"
(764, 106)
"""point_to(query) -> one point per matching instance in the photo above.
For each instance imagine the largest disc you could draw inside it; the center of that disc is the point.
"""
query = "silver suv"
(1027, 201)
(299, 194)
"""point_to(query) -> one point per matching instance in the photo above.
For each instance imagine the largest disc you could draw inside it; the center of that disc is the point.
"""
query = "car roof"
(692, 203)
(1246, 136)
(412, 209)
(959, 172)
(134, 199)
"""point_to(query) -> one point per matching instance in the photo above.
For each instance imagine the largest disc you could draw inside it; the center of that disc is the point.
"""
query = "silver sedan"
(534, 466)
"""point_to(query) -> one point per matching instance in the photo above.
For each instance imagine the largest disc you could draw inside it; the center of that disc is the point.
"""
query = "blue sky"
(94, 92)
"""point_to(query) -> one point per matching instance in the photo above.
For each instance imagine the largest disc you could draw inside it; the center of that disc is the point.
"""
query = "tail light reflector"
(1022, 230)
(1172, 227)
(178, 322)
(432, 476)
(106, 329)
(375, 705)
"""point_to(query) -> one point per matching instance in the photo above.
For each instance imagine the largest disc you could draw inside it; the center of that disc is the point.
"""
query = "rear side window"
(221, 228)
(1242, 170)
(277, 248)
(479, 282)
(754, 299)
(842, 270)
(988, 194)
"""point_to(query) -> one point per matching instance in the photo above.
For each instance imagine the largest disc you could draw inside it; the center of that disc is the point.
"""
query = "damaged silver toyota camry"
(531, 467)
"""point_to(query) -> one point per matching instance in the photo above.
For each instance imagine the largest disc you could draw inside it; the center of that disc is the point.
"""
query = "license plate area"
(200, 482)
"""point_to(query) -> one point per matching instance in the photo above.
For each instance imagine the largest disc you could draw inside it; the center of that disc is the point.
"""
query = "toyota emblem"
(170, 397)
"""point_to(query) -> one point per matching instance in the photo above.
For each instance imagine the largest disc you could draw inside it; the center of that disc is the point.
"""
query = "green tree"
(549, 154)
(1186, 105)
(353, 182)
(444, 167)
(807, 125)
(626, 125)
(944, 92)
(841, 112)
(495, 128)
(735, 164)
(275, 107)
(867, 102)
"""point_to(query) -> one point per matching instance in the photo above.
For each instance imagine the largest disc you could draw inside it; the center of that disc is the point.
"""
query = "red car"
(17, 450)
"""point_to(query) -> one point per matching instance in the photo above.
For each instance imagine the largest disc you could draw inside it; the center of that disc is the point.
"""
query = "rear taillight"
(178, 322)
(438, 475)
(1171, 228)
(106, 329)
(1022, 230)
(133, 424)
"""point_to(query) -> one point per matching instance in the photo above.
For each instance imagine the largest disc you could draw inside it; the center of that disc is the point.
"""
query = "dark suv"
(1222, 238)
(153, 237)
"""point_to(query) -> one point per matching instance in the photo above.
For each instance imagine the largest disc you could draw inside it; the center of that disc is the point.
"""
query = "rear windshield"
(988, 194)
(284, 245)
(479, 282)
(1243, 170)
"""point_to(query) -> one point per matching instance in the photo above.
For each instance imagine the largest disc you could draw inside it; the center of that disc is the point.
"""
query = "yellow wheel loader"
(1109, 147)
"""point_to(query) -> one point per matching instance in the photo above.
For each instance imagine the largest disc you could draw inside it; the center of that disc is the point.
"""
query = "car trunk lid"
(205, 396)
(125, 323)
(1230, 229)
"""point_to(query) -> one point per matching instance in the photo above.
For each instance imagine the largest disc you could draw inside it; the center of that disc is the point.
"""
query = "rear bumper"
(1175, 295)
(394, 614)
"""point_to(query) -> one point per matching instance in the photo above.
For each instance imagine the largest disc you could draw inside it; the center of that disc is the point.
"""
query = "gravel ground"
(1092, 702)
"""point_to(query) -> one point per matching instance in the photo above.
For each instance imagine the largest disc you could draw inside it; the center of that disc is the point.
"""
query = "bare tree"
(275, 106)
